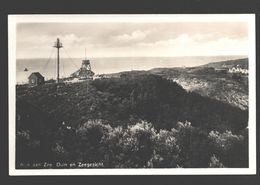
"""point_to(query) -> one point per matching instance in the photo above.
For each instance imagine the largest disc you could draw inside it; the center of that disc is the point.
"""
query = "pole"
(85, 54)
(58, 45)
(58, 65)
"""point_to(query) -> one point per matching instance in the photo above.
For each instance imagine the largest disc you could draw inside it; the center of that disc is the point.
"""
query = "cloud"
(132, 39)
(126, 39)
(183, 39)
(186, 45)
(136, 35)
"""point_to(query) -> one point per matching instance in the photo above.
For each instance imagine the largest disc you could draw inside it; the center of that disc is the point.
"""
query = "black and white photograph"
(132, 94)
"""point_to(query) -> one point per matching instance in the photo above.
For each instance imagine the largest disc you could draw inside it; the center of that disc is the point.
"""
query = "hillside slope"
(135, 121)
(130, 98)
(205, 80)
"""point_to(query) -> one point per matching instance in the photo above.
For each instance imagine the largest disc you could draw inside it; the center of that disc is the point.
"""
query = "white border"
(249, 18)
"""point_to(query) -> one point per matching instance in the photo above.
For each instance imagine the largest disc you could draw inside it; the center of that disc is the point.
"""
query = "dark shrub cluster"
(141, 146)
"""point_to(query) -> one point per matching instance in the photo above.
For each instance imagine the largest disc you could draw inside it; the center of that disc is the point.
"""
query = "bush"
(90, 140)
(215, 163)
(232, 149)
(166, 150)
(194, 146)
(138, 144)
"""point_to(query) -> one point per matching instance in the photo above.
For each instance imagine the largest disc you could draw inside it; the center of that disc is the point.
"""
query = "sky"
(36, 40)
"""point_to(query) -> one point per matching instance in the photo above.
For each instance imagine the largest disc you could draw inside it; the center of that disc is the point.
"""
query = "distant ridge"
(243, 62)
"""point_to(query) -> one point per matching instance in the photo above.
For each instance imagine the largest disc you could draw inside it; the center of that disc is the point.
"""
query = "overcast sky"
(35, 40)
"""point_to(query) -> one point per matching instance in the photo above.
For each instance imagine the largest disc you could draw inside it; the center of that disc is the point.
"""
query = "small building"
(238, 70)
(36, 79)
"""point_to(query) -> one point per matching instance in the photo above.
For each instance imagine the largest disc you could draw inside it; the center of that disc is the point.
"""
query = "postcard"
(119, 94)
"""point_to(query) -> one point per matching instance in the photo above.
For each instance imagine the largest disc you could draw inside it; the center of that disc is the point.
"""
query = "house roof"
(37, 74)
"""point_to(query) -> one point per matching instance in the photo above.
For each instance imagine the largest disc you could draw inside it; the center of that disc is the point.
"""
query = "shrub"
(194, 146)
(91, 136)
(134, 146)
(166, 150)
(215, 163)
(232, 149)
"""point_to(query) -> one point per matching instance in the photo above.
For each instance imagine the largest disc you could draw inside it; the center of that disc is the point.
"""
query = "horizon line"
(244, 56)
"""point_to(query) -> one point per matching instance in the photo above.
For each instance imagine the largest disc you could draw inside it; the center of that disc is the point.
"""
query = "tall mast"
(58, 45)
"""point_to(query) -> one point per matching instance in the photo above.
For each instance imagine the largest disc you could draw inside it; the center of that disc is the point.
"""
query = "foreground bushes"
(231, 149)
(141, 146)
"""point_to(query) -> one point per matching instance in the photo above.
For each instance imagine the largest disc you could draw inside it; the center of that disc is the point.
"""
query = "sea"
(107, 65)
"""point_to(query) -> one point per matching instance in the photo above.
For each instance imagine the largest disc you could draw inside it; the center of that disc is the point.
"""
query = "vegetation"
(231, 88)
(137, 120)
